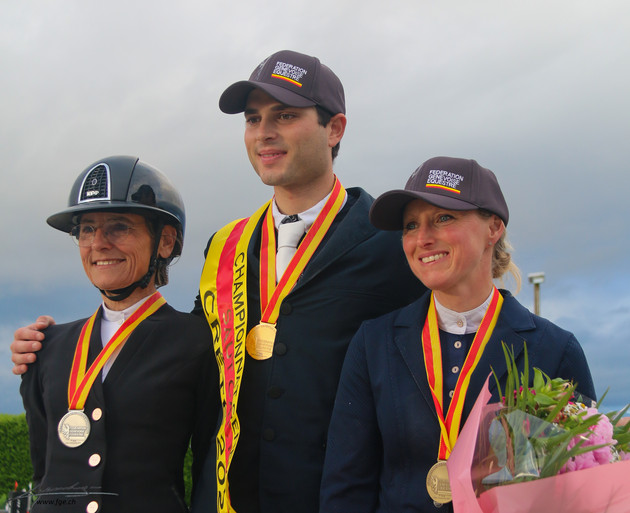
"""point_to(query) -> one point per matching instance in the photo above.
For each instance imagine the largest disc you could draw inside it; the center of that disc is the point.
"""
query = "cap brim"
(234, 98)
(387, 210)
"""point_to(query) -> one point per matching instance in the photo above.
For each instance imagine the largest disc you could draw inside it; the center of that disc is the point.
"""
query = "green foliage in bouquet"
(532, 433)
(621, 431)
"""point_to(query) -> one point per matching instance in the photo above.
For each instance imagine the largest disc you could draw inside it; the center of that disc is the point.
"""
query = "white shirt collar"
(308, 216)
(119, 316)
(460, 323)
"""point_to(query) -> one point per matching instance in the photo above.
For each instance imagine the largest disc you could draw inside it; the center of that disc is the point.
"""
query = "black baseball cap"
(292, 78)
(447, 182)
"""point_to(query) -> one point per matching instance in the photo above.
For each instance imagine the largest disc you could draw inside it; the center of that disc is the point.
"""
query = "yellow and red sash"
(223, 291)
(81, 381)
(449, 425)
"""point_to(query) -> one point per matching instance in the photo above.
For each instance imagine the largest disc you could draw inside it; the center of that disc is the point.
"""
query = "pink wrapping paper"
(595, 490)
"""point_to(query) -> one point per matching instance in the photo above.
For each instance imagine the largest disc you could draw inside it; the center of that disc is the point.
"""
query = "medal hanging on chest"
(260, 341)
(261, 338)
(437, 483)
(74, 427)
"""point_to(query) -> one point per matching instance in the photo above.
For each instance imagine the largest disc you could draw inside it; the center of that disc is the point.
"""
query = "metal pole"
(536, 279)
(537, 298)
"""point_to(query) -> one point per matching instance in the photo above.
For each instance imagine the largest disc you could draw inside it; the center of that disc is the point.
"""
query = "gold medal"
(438, 485)
(73, 428)
(259, 341)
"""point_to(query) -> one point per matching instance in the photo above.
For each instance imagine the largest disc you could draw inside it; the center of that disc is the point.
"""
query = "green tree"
(15, 461)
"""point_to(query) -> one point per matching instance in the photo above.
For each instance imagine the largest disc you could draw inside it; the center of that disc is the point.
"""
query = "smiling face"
(290, 150)
(450, 251)
(112, 266)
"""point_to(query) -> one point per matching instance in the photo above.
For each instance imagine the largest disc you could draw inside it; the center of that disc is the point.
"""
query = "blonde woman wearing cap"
(386, 447)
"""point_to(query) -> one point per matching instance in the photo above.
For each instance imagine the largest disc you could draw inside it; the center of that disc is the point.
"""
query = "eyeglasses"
(114, 231)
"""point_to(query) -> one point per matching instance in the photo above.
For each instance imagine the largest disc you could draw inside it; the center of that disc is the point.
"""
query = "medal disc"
(73, 428)
(438, 484)
(259, 341)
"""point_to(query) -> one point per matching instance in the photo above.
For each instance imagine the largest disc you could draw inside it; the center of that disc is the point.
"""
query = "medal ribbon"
(80, 382)
(449, 426)
(271, 295)
(223, 290)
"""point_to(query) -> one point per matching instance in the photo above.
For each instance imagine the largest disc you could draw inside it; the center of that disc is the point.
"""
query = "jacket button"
(269, 434)
(94, 460)
(275, 392)
(92, 507)
(286, 308)
(97, 413)
(280, 349)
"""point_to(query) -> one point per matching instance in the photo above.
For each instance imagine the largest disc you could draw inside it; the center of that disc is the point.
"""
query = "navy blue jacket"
(384, 432)
(285, 403)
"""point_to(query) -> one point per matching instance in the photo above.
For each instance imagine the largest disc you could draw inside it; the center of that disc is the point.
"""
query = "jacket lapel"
(350, 228)
(513, 319)
(95, 348)
(407, 338)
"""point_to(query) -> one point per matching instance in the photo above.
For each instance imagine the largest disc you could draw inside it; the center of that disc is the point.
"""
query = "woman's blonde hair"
(502, 258)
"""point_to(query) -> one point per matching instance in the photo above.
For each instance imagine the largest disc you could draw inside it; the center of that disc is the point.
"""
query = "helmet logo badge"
(96, 184)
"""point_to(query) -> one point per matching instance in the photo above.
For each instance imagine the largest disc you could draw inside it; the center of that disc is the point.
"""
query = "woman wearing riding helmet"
(113, 400)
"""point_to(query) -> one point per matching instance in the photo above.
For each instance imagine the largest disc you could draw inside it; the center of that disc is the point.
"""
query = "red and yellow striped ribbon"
(81, 381)
(271, 295)
(449, 425)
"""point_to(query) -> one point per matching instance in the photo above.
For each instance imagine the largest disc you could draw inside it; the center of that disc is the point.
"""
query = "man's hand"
(27, 341)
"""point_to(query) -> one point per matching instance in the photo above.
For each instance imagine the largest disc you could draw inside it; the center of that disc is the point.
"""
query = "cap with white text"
(447, 182)
(292, 78)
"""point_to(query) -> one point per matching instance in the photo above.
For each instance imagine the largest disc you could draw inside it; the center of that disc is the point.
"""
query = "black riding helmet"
(126, 184)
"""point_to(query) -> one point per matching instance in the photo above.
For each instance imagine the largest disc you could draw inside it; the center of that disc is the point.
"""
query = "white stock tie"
(290, 232)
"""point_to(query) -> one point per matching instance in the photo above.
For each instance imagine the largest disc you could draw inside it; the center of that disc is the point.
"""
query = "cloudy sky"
(537, 91)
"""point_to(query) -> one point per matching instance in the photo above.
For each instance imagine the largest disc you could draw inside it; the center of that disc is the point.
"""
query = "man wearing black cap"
(281, 345)
(281, 351)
